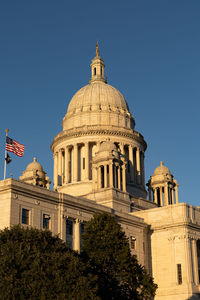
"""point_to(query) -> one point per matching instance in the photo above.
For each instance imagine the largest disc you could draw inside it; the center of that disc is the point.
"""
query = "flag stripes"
(15, 147)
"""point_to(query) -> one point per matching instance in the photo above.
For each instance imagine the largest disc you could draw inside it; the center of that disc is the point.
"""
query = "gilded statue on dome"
(97, 49)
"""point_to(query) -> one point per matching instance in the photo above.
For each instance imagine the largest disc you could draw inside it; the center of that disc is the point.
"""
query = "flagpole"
(5, 156)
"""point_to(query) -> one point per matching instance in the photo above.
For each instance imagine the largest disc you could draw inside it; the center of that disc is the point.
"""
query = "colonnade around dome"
(74, 163)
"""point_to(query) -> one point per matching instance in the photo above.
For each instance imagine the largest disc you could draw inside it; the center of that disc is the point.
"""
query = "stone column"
(138, 166)
(124, 177)
(77, 235)
(161, 196)
(75, 164)
(99, 177)
(105, 177)
(61, 220)
(176, 194)
(87, 160)
(142, 169)
(188, 259)
(62, 166)
(166, 197)
(111, 174)
(59, 167)
(155, 196)
(135, 164)
(66, 165)
(55, 170)
(130, 152)
(98, 145)
(114, 176)
(195, 261)
(59, 162)
(121, 146)
(172, 195)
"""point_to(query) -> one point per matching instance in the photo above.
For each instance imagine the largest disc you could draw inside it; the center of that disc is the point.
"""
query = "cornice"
(184, 224)
(98, 130)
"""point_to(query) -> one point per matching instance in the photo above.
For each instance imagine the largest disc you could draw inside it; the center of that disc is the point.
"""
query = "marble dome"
(162, 170)
(98, 103)
(34, 165)
(97, 93)
(98, 130)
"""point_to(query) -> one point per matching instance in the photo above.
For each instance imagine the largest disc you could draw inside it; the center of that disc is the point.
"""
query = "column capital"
(55, 154)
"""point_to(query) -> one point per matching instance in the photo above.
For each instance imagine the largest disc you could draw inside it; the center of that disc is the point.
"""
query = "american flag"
(15, 147)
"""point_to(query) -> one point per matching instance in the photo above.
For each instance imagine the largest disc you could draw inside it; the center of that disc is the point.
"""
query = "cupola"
(164, 187)
(34, 174)
(97, 68)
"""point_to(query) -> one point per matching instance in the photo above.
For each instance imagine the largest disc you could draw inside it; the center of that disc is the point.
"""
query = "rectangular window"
(69, 233)
(25, 216)
(179, 274)
(46, 221)
(82, 227)
(133, 242)
(83, 163)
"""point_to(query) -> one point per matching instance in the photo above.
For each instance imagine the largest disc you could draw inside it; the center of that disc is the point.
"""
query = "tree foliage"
(106, 251)
(35, 265)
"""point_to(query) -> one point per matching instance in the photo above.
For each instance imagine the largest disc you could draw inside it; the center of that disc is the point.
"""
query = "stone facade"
(99, 167)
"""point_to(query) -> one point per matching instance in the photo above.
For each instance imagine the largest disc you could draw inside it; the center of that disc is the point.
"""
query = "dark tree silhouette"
(34, 265)
(106, 251)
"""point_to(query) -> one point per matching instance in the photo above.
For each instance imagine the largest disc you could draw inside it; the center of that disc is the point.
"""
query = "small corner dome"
(107, 146)
(162, 170)
(33, 166)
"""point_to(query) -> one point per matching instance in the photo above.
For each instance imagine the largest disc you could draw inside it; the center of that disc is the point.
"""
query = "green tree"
(106, 251)
(34, 265)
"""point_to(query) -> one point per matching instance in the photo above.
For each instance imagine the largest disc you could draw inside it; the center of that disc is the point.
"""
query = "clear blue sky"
(152, 54)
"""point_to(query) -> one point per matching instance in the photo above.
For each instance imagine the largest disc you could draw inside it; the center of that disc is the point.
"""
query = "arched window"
(95, 71)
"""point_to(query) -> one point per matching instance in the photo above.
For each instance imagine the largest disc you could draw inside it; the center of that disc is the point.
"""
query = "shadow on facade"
(195, 297)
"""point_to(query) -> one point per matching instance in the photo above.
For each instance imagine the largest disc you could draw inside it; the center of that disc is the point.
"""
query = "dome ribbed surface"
(97, 93)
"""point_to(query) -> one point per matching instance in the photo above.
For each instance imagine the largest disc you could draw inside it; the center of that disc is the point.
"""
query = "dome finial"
(161, 163)
(97, 67)
(97, 49)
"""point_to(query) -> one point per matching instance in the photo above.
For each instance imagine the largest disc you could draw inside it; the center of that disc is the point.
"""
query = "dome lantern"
(97, 68)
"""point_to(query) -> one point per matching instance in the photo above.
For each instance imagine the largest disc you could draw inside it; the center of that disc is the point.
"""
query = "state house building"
(99, 167)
